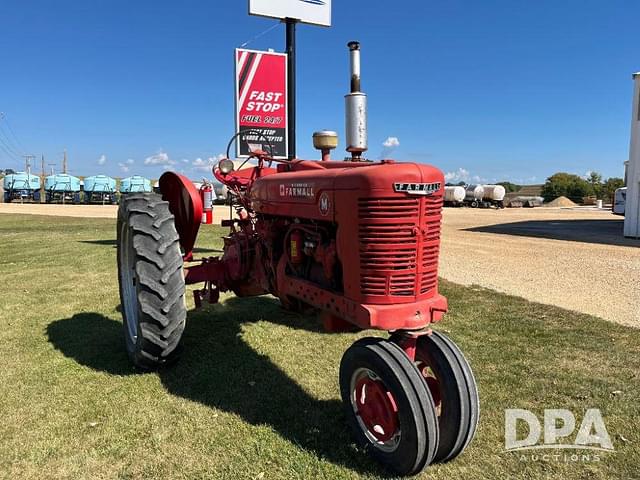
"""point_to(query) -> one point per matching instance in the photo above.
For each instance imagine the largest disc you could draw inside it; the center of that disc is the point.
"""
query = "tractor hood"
(315, 193)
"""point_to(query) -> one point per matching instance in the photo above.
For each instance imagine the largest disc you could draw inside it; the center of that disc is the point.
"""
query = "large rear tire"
(388, 405)
(150, 274)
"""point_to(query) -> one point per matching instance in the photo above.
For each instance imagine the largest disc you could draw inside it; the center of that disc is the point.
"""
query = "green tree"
(510, 187)
(610, 186)
(595, 179)
(569, 185)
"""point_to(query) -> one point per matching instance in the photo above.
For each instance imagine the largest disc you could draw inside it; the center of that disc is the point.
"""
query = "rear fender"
(186, 206)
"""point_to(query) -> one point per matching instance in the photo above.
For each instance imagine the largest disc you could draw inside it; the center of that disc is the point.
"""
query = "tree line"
(572, 186)
(576, 188)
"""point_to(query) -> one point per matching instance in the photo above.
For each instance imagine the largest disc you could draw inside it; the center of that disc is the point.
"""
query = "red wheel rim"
(432, 381)
(376, 409)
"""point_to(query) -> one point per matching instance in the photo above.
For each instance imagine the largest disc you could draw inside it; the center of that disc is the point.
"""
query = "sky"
(486, 91)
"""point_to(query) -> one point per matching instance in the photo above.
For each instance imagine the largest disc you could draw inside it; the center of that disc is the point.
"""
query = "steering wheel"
(256, 132)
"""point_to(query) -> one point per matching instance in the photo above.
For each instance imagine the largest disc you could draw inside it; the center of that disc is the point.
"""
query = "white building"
(632, 207)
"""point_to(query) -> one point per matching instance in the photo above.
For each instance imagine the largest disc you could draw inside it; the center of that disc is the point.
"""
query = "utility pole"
(64, 162)
(43, 174)
(27, 161)
(291, 84)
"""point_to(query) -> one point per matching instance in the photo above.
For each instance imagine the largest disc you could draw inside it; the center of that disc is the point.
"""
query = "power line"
(5, 141)
(10, 151)
(259, 35)
(8, 142)
(12, 156)
(3, 116)
(12, 148)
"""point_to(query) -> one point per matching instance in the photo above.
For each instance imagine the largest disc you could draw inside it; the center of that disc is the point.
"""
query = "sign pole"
(291, 85)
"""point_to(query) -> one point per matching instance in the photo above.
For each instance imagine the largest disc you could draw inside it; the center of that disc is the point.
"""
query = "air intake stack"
(356, 109)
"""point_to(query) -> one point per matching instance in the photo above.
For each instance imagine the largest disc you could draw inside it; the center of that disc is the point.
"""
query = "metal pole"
(291, 86)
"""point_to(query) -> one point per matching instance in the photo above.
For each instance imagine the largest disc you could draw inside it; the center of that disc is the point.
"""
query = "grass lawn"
(256, 392)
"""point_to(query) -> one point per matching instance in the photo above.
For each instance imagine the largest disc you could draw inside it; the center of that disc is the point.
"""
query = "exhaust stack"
(355, 109)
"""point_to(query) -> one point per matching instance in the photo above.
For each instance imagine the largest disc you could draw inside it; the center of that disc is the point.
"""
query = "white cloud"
(185, 160)
(388, 146)
(130, 161)
(206, 165)
(102, 160)
(463, 175)
(460, 175)
(199, 162)
(391, 142)
(160, 158)
(124, 168)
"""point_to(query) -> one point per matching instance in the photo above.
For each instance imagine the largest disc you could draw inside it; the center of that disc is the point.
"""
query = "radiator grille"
(390, 260)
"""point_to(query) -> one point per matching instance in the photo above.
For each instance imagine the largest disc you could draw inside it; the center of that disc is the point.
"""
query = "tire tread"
(160, 285)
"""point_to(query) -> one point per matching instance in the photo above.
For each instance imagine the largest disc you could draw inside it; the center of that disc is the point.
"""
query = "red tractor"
(358, 242)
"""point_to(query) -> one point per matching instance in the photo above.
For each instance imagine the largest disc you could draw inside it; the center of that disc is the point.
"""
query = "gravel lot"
(572, 258)
(90, 211)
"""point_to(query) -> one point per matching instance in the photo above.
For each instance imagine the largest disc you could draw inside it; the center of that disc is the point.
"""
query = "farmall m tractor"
(357, 241)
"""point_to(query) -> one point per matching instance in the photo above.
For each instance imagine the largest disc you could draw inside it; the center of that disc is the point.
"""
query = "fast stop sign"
(261, 102)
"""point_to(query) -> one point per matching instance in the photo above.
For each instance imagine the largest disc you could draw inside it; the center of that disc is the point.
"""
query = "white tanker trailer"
(473, 195)
(494, 194)
(454, 196)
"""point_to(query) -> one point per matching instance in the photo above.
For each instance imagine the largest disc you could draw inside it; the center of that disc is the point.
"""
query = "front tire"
(388, 405)
(454, 390)
(151, 279)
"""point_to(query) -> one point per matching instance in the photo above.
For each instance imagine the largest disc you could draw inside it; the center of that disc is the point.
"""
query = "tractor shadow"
(220, 370)
(104, 243)
(604, 232)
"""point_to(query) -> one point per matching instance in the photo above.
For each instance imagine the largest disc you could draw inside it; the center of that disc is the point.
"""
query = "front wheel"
(388, 405)
(454, 390)
(150, 274)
